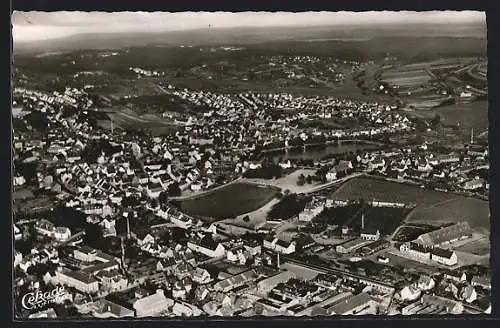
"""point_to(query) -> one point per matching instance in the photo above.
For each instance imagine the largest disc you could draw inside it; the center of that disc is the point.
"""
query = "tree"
(246, 218)
(301, 180)
(435, 121)
(163, 197)
(174, 190)
(309, 179)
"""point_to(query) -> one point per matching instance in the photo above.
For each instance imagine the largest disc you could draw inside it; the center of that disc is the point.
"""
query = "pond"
(318, 152)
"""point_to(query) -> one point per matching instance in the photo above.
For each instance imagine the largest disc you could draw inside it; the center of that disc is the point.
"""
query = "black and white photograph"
(247, 164)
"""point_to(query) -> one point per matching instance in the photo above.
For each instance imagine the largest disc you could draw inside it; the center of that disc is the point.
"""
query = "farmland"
(230, 201)
(432, 207)
(403, 77)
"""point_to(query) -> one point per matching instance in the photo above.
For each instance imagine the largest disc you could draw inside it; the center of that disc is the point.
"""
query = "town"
(170, 200)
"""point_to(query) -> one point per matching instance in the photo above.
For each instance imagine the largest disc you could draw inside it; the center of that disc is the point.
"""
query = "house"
(444, 256)
(181, 221)
(49, 313)
(104, 309)
(370, 234)
(18, 235)
(310, 211)
(468, 294)
(253, 247)
(280, 246)
(207, 246)
(62, 233)
(153, 190)
(425, 283)
(360, 304)
(18, 258)
(236, 281)
(473, 184)
(152, 305)
(410, 293)
(201, 276)
(455, 276)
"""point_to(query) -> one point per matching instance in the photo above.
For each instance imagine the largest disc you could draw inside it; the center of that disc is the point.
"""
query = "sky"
(38, 26)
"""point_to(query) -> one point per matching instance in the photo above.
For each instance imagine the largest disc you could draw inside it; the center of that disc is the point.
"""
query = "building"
(18, 235)
(446, 235)
(181, 221)
(444, 256)
(450, 306)
(410, 293)
(425, 283)
(474, 184)
(351, 245)
(455, 276)
(88, 254)
(266, 285)
(370, 234)
(416, 251)
(233, 282)
(78, 280)
(104, 309)
(280, 246)
(152, 305)
(207, 246)
(360, 304)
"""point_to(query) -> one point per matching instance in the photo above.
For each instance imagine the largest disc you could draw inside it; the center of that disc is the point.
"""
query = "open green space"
(230, 201)
(432, 207)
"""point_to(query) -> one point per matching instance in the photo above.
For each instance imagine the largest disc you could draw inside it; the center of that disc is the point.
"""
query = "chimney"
(128, 228)
(278, 260)
(362, 221)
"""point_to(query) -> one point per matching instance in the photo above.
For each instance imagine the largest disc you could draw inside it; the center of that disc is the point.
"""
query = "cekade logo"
(38, 299)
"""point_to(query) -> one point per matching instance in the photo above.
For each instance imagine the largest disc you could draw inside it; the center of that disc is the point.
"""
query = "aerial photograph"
(243, 164)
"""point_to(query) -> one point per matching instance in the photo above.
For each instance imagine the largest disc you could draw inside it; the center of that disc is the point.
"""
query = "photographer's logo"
(38, 299)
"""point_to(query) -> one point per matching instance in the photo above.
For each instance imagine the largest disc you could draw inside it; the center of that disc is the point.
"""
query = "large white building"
(152, 305)
(207, 246)
(78, 280)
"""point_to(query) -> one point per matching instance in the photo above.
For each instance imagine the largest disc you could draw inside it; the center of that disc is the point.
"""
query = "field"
(479, 247)
(230, 201)
(404, 77)
(474, 211)
(432, 207)
(473, 115)
(386, 191)
(128, 119)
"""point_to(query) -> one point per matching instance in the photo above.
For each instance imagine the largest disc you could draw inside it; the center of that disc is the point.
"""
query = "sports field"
(432, 207)
(230, 201)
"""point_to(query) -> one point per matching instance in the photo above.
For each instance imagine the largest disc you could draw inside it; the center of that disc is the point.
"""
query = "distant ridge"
(220, 36)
